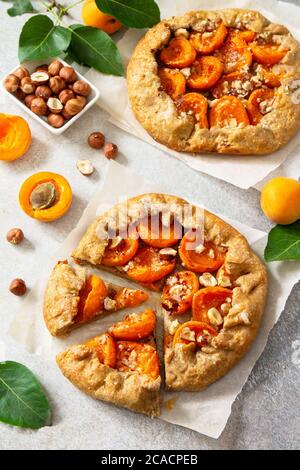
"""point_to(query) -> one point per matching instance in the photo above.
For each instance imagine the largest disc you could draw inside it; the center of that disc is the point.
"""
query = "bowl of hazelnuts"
(52, 93)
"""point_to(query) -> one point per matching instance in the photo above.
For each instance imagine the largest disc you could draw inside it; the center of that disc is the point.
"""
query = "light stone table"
(265, 414)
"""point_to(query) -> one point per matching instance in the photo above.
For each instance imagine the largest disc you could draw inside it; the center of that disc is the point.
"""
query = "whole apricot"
(280, 200)
(92, 16)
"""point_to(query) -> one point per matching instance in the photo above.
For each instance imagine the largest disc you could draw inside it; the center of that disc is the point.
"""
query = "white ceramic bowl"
(91, 99)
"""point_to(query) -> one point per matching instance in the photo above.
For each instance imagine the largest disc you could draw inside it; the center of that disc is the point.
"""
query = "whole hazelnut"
(110, 150)
(66, 115)
(56, 120)
(11, 83)
(27, 85)
(57, 84)
(68, 74)
(66, 95)
(81, 88)
(38, 106)
(20, 94)
(28, 100)
(21, 72)
(54, 67)
(96, 140)
(40, 77)
(42, 68)
(54, 105)
(75, 105)
(15, 236)
(43, 91)
(17, 287)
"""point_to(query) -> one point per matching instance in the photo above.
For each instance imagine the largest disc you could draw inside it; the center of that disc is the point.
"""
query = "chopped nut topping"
(109, 304)
(211, 253)
(225, 308)
(223, 280)
(168, 252)
(182, 32)
(207, 280)
(244, 317)
(188, 334)
(199, 249)
(214, 316)
(173, 327)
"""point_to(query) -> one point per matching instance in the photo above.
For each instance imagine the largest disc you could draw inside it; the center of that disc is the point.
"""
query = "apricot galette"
(217, 81)
(120, 366)
(73, 298)
(213, 286)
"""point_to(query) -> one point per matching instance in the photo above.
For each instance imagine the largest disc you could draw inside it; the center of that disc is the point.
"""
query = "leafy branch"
(42, 37)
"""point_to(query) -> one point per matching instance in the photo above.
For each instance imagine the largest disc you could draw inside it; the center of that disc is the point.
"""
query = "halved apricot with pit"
(205, 73)
(149, 265)
(173, 82)
(205, 257)
(121, 254)
(207, 298)
(140, 357)
(209, 41)
(153, 232)
(178, 54)
(178, 292)
(227, 110)
(196, 105)
(268, 54)
(135, 326)
(260, 103)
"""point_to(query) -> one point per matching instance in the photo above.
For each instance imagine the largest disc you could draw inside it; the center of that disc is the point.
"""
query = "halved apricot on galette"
(73, 298)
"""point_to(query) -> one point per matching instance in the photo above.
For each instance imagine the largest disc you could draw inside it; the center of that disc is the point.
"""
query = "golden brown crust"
(159, 115)
(185, 368)
(127, 389)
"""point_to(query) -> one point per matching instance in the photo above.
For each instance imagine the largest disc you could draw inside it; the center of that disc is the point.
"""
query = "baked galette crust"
(131, 390)
(159, 115)
(187, 369)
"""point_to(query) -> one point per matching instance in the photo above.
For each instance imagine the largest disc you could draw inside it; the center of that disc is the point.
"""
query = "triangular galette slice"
(73, 298)
(120, 366)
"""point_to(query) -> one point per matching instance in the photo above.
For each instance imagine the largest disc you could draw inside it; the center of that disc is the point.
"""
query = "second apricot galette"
(217, 81)
(213, 286)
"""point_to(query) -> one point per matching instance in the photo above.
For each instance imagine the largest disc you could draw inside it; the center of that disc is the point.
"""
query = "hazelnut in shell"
(68, 74)
(27, 86)
(66, 95)
(39, 106)
(54, 105)
(28, 100)
(96, 140)
(20, 94)
(18, 287)
(80, 87)
(57, 84)
(54, 67)
(15, 236)
(42, 68)
(21, 72)
(11, 83)
(75, 105)
(43, 91)
(110, 150)
(56, 120)
(66, 115)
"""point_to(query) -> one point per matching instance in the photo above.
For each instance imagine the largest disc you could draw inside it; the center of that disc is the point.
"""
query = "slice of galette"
(73, 298)
(120, 366)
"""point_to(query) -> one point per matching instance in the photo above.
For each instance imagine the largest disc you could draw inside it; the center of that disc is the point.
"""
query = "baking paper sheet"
(206, 412)
(245, 171)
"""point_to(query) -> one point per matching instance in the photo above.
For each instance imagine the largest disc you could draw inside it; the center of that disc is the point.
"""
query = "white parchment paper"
(206, 412)
(245, 171)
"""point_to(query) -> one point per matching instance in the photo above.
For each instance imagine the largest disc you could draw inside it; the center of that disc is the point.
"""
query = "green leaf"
(22, 400)
(132, 13)
(283, 243)
(20, 7)
(93, 47)
(41, 39)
